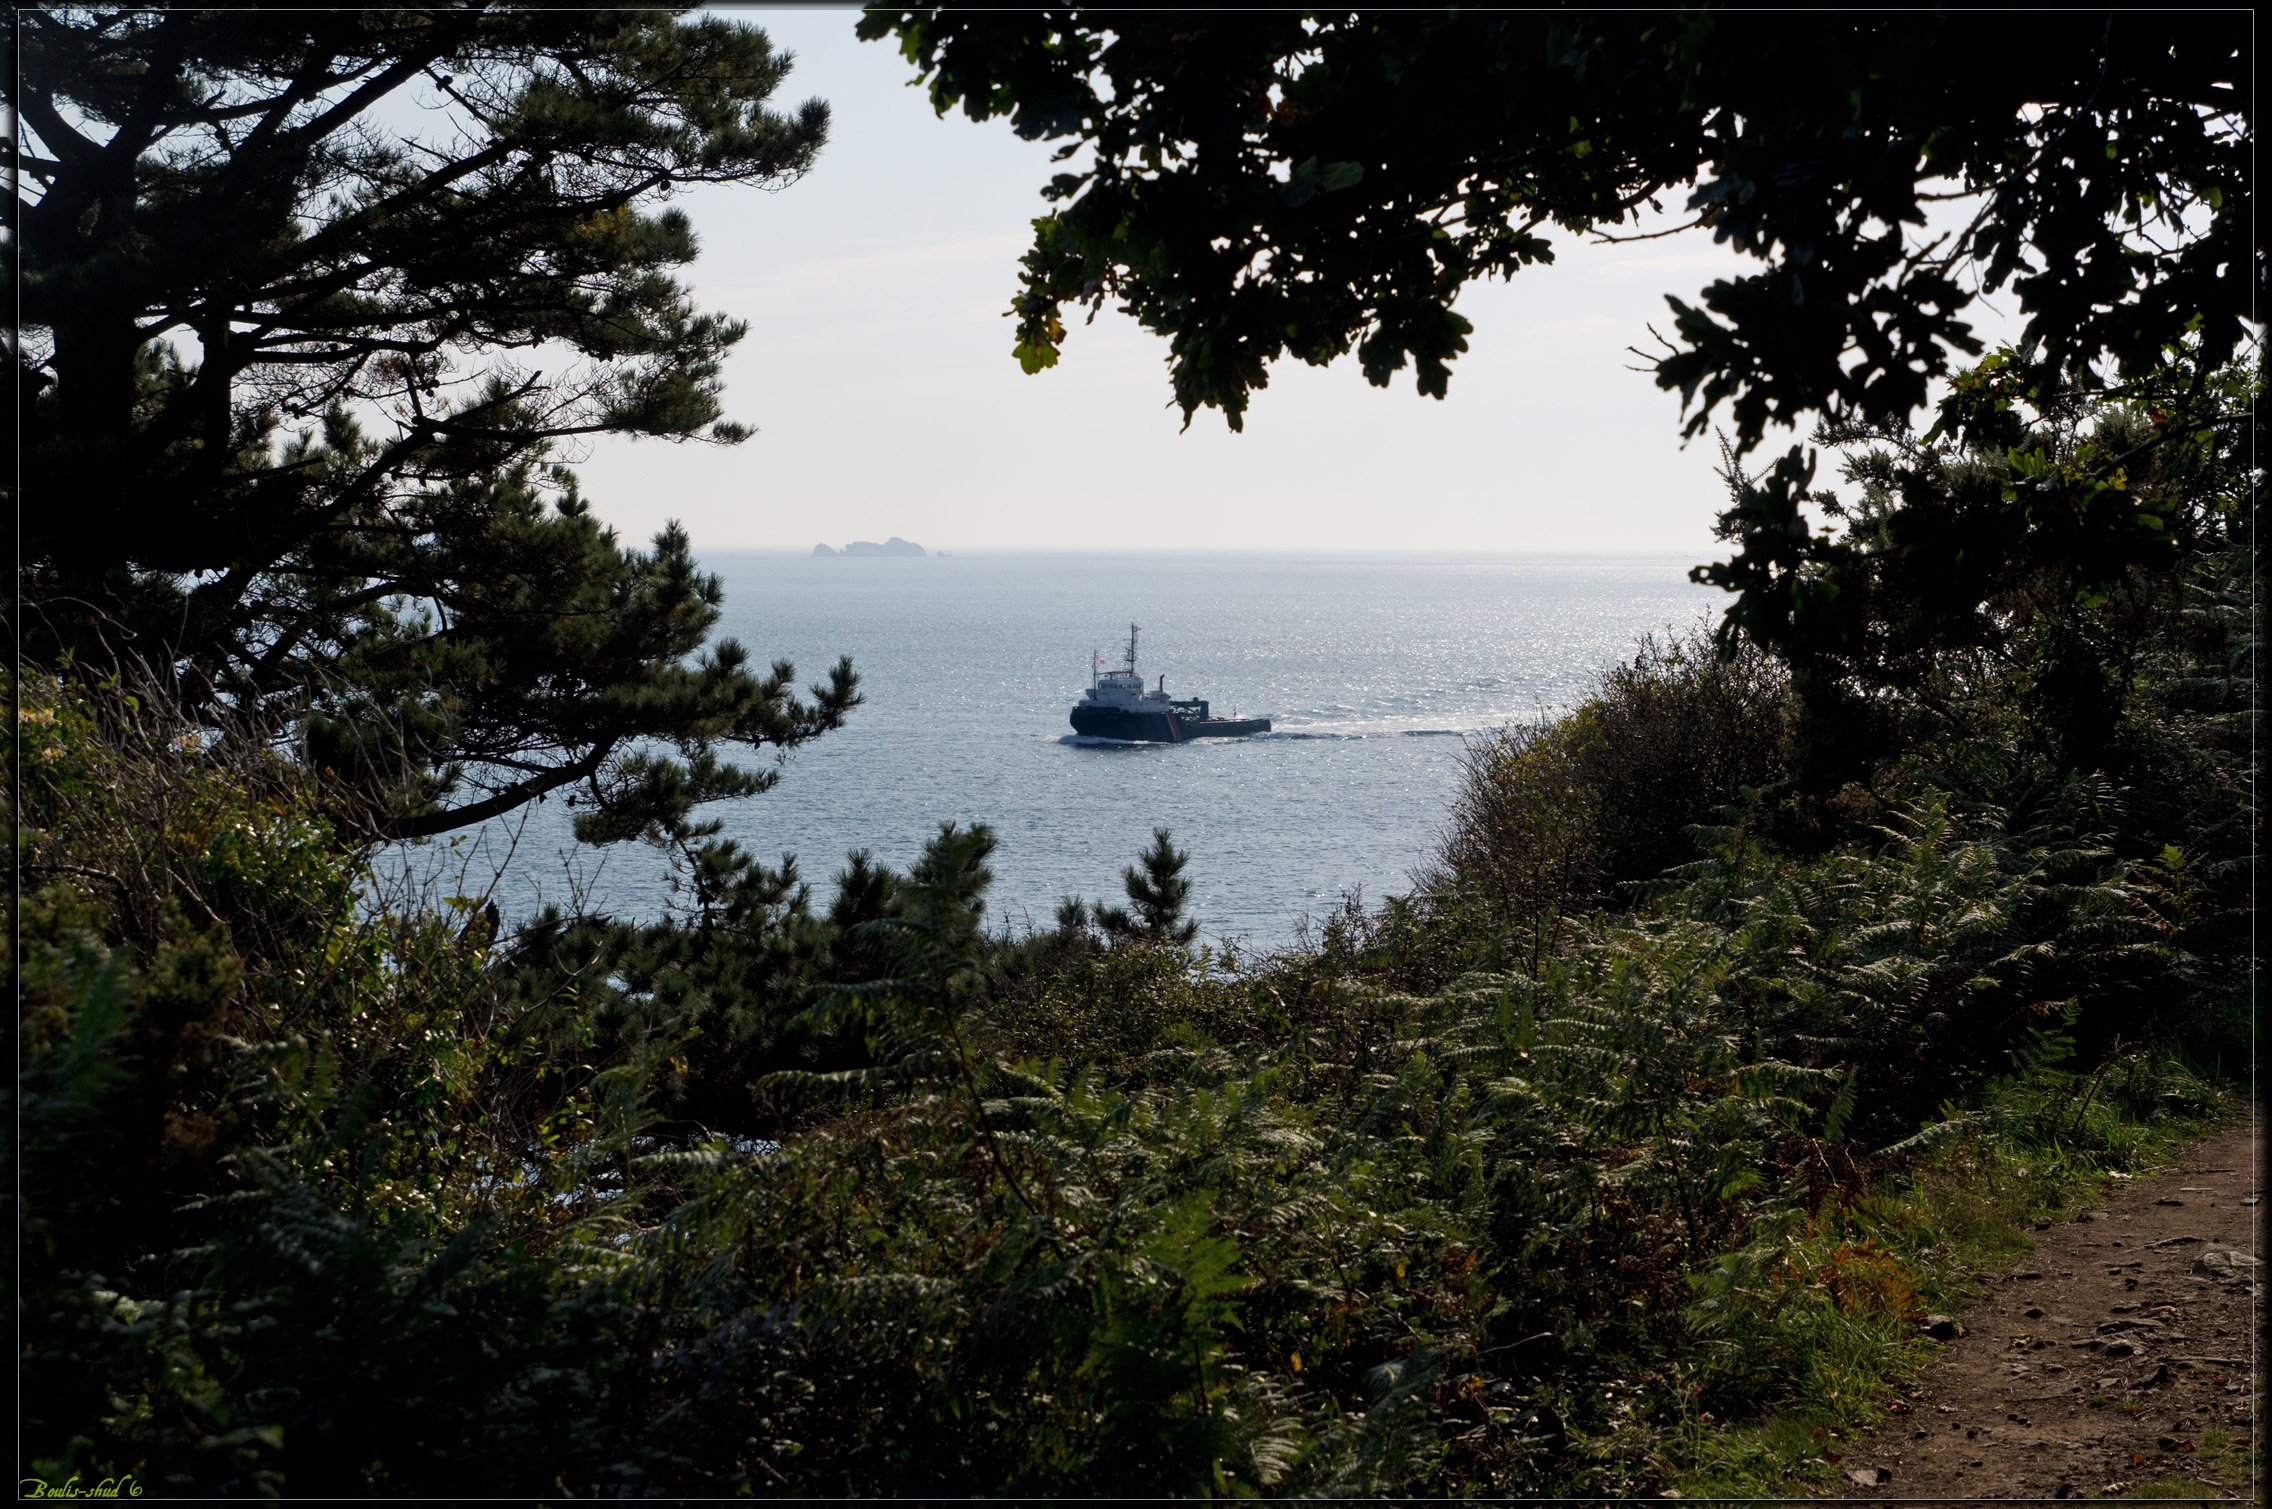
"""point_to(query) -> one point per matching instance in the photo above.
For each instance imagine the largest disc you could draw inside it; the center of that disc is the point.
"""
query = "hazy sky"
(878, 374)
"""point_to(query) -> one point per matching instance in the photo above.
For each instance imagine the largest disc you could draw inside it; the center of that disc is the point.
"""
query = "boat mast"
(1131, 649)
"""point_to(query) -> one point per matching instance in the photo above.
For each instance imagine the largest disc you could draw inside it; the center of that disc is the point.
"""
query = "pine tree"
(1158, 892)
(310, 302)
(1073, 920)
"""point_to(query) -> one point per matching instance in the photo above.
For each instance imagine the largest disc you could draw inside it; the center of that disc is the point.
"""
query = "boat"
(1118, 705)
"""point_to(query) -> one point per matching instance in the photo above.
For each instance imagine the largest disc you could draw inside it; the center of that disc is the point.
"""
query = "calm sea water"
(1372, 670)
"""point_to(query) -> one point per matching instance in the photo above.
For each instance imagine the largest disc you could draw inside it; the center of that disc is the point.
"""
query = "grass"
(2043, 1150)
(2221, 1467)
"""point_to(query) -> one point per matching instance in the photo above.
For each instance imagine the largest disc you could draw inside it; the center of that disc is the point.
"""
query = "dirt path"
(2118, 1354)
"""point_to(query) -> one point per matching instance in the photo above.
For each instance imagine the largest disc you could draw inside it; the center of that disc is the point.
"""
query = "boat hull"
(1147, 727)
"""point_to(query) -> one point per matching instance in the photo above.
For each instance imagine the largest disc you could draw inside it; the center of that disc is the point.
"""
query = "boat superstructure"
(1118, 705)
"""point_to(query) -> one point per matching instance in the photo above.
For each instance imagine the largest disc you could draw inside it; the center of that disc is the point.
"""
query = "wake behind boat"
(1117, 706)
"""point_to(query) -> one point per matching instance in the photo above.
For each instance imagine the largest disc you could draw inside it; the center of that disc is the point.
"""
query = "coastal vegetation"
(1742, 1012)
(1663, 1104)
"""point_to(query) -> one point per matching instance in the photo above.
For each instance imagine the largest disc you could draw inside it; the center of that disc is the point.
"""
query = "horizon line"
(951, 551)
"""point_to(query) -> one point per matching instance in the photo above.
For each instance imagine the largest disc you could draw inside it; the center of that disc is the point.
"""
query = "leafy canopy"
(311, 304)
(1264, 185)
(1304, 183)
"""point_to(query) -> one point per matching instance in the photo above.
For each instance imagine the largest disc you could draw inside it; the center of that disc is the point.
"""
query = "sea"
(1374, 671)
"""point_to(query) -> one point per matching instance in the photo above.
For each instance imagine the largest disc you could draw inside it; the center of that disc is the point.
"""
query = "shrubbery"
(1680, 1086)
(1558, 820)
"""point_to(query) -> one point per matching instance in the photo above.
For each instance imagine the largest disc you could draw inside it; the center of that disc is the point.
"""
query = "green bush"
(1621, 1155)
(1556, 821)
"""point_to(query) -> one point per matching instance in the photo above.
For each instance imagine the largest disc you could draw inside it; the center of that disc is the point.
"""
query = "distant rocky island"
(893, 546)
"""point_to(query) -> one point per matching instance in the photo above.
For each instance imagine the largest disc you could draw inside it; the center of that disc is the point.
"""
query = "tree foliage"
(1157, 894)
(311, 304)
(1510, 1187)
(1305, 184)
(2000, 536)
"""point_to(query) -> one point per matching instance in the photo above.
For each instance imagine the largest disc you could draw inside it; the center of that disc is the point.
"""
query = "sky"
(878, 375)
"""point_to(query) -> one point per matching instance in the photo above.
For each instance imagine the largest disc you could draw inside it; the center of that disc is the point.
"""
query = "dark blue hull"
(1160, 728)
